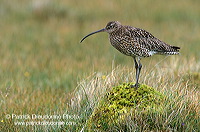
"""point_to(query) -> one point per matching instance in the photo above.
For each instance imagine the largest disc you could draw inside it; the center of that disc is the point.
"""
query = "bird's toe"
(135, 85)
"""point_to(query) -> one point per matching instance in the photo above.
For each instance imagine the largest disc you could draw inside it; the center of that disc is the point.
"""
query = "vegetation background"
(42, 61)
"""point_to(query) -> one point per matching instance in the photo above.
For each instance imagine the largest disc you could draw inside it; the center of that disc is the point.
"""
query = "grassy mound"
(122, 103)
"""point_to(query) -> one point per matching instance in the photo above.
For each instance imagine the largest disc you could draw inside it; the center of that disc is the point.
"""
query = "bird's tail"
(171, 50)
(174, 51)
(175, 48)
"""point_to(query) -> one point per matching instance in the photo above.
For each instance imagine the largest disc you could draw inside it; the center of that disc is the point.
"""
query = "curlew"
(135, 42)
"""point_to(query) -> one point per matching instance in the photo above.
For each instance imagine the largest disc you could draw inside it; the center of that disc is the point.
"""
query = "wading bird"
(135, 42)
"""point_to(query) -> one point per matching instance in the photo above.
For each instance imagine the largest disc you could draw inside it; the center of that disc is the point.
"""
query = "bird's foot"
(135, 86)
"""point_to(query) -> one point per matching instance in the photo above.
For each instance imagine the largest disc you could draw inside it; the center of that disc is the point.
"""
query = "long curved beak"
(101, 30)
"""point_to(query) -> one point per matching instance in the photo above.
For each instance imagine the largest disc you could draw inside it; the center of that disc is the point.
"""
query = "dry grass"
(41, 60)
(181, 106)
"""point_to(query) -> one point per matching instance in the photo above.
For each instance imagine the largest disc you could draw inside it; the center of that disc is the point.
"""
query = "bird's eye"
(109, 27)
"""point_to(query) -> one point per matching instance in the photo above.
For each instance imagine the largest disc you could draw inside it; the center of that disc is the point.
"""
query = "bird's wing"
(146, 40)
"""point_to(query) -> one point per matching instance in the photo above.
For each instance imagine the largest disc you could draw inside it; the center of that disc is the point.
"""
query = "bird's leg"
(138, 68)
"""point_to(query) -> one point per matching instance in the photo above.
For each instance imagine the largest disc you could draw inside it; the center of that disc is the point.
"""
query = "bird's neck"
(119, 31)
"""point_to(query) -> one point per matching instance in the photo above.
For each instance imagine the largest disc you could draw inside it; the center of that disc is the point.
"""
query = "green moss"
(123, 101)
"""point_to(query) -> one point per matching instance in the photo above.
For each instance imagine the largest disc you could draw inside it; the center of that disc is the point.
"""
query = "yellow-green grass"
(179, 110)
(124, 101)
(42, 61)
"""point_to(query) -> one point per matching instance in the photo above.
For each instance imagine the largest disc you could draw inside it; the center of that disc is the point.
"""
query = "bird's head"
(110, 27)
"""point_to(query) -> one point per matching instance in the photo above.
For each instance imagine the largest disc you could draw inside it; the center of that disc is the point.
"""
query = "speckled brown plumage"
(135, 42)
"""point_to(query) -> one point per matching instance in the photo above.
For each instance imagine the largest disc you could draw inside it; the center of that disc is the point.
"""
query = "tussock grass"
(42, 61)
(180, 109)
